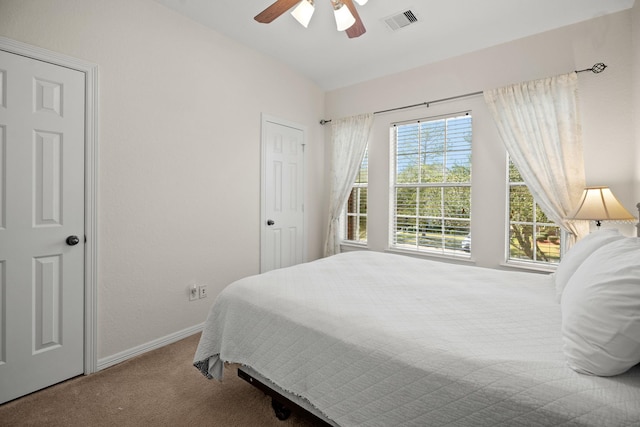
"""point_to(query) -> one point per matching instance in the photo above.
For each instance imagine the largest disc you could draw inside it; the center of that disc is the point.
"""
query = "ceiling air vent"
(401, 20)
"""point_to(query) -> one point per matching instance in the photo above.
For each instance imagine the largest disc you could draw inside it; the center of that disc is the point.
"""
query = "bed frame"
(283, 403)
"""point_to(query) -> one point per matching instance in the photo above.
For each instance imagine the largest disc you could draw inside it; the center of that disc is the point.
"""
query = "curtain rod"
(597, 68)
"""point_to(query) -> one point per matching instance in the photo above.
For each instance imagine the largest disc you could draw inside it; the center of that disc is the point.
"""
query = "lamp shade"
(344, 18)
(599, 204)
(303, 12)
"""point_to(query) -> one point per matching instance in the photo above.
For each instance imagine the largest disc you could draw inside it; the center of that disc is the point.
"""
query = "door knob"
(270, 222)
(72, 240)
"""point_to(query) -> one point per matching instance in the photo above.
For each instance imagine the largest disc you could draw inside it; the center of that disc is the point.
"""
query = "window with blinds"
(431, 191)
(532, 236)
(356, 209)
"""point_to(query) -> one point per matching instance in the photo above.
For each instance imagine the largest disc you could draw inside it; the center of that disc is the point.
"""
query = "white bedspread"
(374, 339)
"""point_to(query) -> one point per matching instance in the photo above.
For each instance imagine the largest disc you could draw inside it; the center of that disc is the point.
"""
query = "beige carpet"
(159, 388)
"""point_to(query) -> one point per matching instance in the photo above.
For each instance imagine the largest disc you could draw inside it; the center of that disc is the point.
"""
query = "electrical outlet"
(193, 292)
(202, 289)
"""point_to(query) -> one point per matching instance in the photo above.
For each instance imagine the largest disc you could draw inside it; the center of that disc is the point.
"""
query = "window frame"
(357, 187)
(419, 247)
(534, 224)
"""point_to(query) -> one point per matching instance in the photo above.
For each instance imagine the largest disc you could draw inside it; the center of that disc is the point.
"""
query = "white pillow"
(579, 252)
(601, 311)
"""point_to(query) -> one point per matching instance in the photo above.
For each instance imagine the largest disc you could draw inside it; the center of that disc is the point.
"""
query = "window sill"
(529, 266)
(511, 265)
(352, 246)
(459, 259)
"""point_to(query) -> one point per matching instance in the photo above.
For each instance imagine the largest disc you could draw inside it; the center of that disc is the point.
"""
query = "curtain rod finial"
(597, 68)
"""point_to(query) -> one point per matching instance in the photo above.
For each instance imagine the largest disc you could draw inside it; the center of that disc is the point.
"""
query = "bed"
(377, 339)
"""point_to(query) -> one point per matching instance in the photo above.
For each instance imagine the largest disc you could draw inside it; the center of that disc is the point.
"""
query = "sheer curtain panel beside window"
(539, 123)
(349, 137)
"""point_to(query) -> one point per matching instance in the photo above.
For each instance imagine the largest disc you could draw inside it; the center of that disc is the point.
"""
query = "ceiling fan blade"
(357, 29)
(275, 10)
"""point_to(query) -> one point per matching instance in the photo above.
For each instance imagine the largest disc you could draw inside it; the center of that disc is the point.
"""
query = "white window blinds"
(431, 192)
(356, 209)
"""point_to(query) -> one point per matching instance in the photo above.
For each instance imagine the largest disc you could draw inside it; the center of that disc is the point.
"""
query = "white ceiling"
(445, 28)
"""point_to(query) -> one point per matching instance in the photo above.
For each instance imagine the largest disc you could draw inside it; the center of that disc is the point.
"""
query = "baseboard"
(151, 345)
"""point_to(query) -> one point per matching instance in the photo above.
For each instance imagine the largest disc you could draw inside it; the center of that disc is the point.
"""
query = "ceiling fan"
(347, 18)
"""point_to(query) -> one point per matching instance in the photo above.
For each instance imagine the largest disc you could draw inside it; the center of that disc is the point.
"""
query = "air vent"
(401, 20)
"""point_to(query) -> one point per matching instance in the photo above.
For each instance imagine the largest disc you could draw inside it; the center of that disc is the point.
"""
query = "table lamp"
(599, 204)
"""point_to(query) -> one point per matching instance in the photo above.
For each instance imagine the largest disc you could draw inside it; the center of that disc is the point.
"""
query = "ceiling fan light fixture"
(303, 12)
(345, 13)
(362, 2)
(344, 18)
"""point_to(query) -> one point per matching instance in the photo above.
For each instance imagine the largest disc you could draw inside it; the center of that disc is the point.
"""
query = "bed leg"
(282, 412)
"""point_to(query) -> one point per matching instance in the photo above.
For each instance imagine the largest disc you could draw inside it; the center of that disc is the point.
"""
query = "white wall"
(179, 124)
(605, 102)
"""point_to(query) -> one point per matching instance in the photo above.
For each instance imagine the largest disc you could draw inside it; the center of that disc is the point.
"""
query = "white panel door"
(41, 209)
(283, 196)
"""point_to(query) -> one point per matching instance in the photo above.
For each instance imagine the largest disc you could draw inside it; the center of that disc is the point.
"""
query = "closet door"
(283, 233)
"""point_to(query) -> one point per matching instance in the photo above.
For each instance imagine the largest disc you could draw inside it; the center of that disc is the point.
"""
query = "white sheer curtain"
(539, 123)
(349, 138)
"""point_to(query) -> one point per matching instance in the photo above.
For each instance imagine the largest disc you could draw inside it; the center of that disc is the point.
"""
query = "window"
(532, 236)
(431, 191)
(356, 209)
